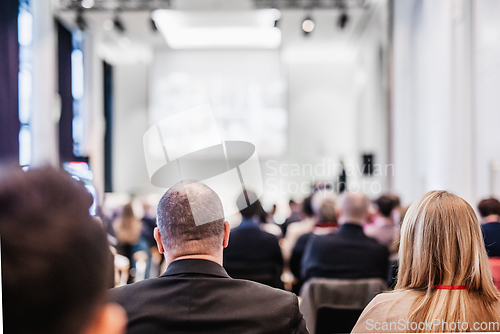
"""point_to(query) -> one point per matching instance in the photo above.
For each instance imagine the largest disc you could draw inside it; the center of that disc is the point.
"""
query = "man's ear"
(159, 244)
(227, 230)
(109, 319)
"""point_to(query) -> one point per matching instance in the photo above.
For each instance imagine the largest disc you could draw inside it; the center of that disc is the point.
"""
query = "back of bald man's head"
(354, 207)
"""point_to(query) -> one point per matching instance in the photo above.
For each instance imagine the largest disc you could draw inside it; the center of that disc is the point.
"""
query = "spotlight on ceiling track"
(108, 25)
(153, 25)
(307, 25)
(80, 21)
(343, 20)
(87, 4)
(118, 24)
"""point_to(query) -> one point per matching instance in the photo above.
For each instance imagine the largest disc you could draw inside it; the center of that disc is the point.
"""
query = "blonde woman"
(444, 279)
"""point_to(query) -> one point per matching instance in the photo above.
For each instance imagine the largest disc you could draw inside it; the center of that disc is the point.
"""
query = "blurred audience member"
(267, 221)
(146, 239)
(489, 209)
(253, 254)
(295, 230)
(55, 257)
(393, 257)
(383, 229)
(295, 215)
(195, 294)
(444, 278)
(348, 253)
(127, 231)
(327, 223)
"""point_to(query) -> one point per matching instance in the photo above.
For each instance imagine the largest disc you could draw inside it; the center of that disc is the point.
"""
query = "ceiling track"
(150, 5)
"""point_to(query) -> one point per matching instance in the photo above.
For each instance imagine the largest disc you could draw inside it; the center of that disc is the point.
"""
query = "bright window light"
(77, 74)
(245, 29)
(24, 145)
(25, 27)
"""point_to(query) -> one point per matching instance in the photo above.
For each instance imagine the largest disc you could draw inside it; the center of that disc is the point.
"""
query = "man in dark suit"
(195, 294)
(489, 209)
(252, 253)
(348, 253)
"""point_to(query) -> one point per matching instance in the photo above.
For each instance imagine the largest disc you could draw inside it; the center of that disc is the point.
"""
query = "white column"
(93, 105)
(46, 105)
(433, 118)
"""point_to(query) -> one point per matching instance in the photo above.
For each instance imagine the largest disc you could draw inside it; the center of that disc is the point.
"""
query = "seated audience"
(252, 253)
(444, 280)
(267, 222)
(195, 294)
(383, 229)
(327, 223)
(489, 209)
(127, 229)
(56, 262)
(348, 253)
(295, 216)
(146, 241)
(295, 230)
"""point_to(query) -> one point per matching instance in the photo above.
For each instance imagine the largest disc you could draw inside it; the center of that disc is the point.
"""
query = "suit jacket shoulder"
(198, 297)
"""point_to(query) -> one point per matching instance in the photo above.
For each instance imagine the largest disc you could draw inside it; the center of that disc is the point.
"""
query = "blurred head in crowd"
(489, 209)
(248, 211)
(318, 197)
(354, 208)
(55, 257)
(178, 236)
(442, 244)
(327, 211)
(385, 204)
(127, 226)
(294, 206)
(307, 210)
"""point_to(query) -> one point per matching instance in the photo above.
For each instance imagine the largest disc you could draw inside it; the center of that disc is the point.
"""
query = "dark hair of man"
(186, 203)
(490, 206)
(385, 205)
(55, 257)
(307, 206)
(248, 211)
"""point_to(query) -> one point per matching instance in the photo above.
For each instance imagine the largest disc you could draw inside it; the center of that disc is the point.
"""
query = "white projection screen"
(246, 89)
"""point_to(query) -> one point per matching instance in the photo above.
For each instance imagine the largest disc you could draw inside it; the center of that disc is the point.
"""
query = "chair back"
(495, 270)
(337, 293)
(331, 320)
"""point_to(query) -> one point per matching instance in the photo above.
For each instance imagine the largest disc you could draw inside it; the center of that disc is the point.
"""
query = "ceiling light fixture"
(219, 29)
(308, 25)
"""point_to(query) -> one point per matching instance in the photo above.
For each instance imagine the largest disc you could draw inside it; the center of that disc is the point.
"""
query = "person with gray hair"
(348, 253)
(195, 294)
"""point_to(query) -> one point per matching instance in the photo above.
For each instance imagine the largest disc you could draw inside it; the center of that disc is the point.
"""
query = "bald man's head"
(354, 208)
(191, 219)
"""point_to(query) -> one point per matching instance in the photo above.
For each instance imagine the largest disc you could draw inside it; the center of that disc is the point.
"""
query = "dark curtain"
(64, 50)
(9, 68)
(108, 136)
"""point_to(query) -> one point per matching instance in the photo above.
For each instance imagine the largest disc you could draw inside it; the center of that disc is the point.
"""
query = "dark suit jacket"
(254, 255)
(197, 296)
(491, 235)
(349, 253)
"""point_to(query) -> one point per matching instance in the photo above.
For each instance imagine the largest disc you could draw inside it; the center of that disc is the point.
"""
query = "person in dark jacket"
(195, 294)
(252, 253)
(348, 253)
(489, 209)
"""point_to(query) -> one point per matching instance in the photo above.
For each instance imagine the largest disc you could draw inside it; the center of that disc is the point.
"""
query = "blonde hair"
(441, 243)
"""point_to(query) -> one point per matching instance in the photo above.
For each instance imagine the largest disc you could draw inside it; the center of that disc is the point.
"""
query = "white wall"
(445, 99)
(487, 95)
(130, 86)
(335, 101)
